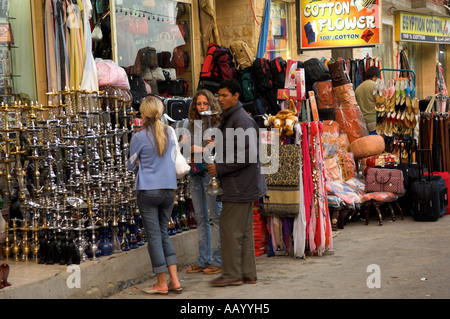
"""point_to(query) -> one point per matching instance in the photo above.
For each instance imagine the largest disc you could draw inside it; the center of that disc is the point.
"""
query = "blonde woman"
(152, 157)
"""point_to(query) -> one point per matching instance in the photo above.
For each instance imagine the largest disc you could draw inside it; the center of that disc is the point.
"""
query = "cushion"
(366, 146)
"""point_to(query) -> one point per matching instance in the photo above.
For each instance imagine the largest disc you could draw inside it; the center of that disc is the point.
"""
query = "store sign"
(420, 28)
(330, 24)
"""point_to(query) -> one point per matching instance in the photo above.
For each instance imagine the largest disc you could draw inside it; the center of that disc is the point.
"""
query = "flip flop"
(194, 269)
(153, 291)
(212, 270)
(175, 290)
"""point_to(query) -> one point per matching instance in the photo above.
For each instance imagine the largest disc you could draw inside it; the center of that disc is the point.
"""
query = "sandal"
(212, 270)
(194, 269)
(175, 290)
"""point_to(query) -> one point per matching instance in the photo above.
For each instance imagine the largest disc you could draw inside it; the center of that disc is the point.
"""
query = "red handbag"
(384, 180)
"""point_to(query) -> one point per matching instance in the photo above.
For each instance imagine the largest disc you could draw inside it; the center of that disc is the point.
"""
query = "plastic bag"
(109, 73)
(333, 171)
(347, 193)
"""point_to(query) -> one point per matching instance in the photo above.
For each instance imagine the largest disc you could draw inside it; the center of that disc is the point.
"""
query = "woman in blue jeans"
(205, 205)
(152, 157)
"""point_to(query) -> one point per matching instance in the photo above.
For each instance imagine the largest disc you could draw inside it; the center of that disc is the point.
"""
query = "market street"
(413, 260)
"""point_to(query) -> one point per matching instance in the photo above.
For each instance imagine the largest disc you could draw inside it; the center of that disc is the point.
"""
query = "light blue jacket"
(153, 172)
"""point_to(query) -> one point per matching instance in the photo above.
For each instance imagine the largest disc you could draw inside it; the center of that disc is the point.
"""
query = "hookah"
(36, 148)
(25, 244)
(93, 244)
(35, 229)
(115, 230)
(105, 245)
(7, 248)
(15, 248)
(124, 243)
(81, 242)
(214, 187)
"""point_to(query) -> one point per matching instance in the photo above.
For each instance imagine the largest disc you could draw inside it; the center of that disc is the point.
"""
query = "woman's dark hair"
(371, 72)
(213, 104)
(231, 85)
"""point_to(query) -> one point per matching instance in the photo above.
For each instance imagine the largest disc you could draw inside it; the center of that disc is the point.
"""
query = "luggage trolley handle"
(420, 153)
(437, 148)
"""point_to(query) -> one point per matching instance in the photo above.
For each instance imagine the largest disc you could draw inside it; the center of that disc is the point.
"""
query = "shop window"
(17, 81)
(277, 39)
(153, 39)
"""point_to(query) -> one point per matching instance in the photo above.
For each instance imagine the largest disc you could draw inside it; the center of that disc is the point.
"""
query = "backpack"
(242, 54)
(315, 71)
(264, 89)
(262, 75)
(278, 72)
(217, 67)
(247, 84)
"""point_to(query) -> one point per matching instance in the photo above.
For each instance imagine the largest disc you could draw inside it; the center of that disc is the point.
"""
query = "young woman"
(205, 205)
(152, 157)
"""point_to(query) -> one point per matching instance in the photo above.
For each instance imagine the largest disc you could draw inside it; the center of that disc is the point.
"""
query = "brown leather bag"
(339, 75)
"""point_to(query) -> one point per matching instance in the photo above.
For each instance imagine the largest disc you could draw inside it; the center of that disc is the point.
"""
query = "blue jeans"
(201, 202)
(156, 207)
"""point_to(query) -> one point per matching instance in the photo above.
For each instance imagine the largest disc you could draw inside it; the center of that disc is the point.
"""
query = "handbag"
(384, 180)
(182, 168)
(97, 34)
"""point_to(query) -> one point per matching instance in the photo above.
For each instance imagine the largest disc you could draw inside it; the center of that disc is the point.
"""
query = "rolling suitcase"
(444, 175)
(427, 194)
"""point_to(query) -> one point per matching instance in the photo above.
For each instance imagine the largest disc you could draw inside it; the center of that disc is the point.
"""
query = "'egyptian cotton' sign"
(421, 28)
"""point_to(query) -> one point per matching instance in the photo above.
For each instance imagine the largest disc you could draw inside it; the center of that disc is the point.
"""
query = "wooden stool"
(376, 205)
(338, 217)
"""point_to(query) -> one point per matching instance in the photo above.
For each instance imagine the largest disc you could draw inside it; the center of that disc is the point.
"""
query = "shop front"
(70, 108)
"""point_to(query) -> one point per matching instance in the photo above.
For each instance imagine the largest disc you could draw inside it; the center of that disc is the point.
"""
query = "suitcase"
(177, 107)
(444, 175)
(428, 194)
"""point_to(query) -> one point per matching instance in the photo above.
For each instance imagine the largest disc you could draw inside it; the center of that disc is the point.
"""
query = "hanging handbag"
(384, 180)
(182, 168)
(97, 34)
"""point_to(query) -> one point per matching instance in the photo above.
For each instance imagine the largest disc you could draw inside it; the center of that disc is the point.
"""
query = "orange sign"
(329, 24)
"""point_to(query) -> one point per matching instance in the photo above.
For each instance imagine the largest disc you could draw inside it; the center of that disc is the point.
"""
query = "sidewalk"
(410, 259)
(98, 279)
(413, 260)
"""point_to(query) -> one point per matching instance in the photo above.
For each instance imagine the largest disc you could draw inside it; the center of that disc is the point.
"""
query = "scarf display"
(310, 228)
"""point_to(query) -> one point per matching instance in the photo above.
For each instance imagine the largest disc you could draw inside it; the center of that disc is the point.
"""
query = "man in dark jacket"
(239, 172)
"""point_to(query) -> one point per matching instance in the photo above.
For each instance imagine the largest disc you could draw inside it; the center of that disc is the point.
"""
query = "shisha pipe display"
(64, 163)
